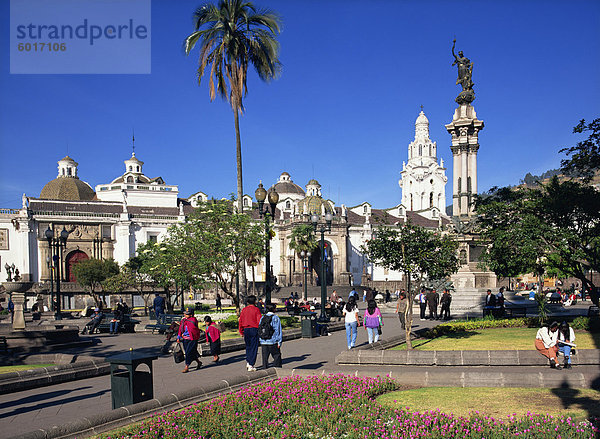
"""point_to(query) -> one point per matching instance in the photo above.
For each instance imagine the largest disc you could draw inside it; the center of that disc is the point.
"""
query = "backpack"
(265, 329)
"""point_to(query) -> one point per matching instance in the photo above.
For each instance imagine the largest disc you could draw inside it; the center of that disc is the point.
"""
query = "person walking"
(372, 321)
(213, 338)
(445, 301)
(433, 300)
(158, 305)
(270, 336)
(546, 341)
(401, 309)
(189, 334)
(422, 304)
(566, 338)
(248, 328)
(218, 303)
(351, 321)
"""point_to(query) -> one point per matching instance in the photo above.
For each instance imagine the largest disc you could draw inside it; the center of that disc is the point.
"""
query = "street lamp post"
(305, 258)
(322, 228)
(56, 246)
(51, 270)
(263, 210)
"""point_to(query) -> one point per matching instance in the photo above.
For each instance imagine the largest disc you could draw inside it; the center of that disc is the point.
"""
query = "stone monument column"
(464, 130)
(470, 281)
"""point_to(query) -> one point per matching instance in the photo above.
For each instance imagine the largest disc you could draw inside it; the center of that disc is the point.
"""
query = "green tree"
(585, 156)
(233, 35)
(210, 247)
(303, 238)
(90, 274)
(552, 228)
(418, 253)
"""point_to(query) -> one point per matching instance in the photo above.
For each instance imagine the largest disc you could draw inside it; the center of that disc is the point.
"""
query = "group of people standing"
(429, 299)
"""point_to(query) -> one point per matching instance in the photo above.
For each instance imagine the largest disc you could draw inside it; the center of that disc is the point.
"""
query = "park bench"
(163, 323)
(127, 324)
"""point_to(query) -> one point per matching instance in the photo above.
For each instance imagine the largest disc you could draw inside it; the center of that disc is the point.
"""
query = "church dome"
(67, 186)
(68, 189)
(314, 204)
(286, 187)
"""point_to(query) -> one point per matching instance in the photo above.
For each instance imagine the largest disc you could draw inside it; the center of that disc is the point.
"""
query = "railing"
(82, 214)
(9, 211)
(148, 216)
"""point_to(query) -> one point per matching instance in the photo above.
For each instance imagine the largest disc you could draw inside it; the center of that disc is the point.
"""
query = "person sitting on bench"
(97, 318)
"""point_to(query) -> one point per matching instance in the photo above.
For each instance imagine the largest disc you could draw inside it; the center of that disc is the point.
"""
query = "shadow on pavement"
(36, 407)
(41, 396)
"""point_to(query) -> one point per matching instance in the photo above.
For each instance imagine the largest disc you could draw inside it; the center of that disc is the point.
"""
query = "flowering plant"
(336, 406)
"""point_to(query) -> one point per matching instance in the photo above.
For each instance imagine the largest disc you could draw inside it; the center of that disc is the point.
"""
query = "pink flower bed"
(336, 407)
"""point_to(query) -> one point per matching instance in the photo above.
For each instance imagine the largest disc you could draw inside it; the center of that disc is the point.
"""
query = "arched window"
(138, 168)
(431, 199)
(63, 171)
(288, 205)
(131, 168)
(68, 171)
(130, 179)
(365, 208)
(411, 202)
(245, 202)
(420, 150)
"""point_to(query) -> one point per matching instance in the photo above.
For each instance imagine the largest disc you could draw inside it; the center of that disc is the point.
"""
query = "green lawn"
(495, 339)
(499, 403)
(7, 369)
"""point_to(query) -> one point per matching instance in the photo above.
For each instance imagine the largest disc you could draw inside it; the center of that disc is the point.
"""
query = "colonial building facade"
(112, 220)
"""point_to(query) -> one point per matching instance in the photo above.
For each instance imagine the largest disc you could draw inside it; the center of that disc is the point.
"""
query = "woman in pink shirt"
(372, 320)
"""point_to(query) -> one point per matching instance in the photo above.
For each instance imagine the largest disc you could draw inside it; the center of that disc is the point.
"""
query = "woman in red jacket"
(189, 333)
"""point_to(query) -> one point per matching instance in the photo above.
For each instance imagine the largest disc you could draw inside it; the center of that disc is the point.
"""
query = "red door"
(72, 259)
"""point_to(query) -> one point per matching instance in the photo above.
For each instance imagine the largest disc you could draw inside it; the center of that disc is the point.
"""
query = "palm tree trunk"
(240, 190)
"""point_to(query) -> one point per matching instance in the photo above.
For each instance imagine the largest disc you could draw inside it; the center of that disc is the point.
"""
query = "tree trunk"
(240, 189)
(253, 281)
(408, 313)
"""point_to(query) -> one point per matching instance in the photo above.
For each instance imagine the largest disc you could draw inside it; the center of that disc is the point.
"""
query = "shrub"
(472, 325)
(231, 322)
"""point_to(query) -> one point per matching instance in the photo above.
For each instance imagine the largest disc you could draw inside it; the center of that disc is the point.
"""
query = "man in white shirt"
(546, 343)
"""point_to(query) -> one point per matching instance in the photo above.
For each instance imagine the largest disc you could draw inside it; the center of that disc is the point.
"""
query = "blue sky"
(354, 76)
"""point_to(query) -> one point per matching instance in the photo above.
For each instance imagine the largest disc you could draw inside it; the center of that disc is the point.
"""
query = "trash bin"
(308, 321)
(128, 385)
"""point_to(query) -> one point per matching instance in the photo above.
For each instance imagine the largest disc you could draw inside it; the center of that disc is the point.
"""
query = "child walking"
(213, 338)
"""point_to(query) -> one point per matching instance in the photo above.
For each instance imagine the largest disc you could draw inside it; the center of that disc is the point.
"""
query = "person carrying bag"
(189, 334)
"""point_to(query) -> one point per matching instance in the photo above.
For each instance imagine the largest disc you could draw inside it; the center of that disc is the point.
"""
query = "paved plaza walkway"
(44, 407)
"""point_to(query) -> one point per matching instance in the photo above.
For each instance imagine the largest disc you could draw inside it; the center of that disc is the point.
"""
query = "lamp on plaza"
(56, 245)
(305, 258)
(322, 228)
(51, 271)
(268, 211)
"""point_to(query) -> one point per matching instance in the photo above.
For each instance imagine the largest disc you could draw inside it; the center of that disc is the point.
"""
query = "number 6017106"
(39, 47)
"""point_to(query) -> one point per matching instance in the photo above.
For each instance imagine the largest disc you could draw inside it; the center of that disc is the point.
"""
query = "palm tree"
(302, 238)
(234, 35)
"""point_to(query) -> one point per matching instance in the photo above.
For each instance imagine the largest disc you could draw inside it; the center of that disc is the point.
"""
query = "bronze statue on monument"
(465, 74)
